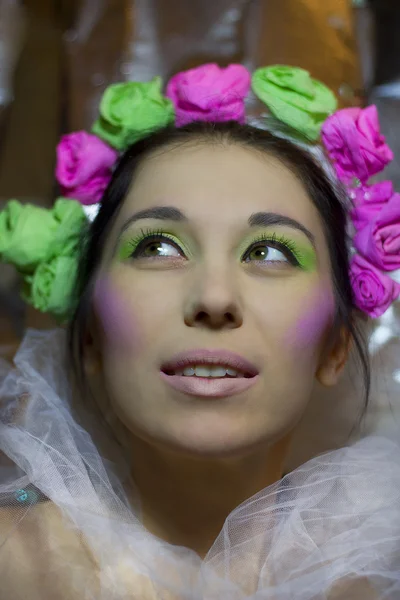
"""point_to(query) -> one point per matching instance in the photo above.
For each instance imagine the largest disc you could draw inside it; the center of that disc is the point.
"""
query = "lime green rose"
(72, 221)
(294, 97)
(30, 234)
(50, 288)
(130, 111)
(26, 233)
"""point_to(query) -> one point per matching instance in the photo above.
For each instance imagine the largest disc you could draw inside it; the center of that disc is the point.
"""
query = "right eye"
(157, 246)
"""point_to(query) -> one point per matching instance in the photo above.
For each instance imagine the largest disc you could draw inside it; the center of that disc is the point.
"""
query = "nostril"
(215, 318)
(229, 317)
(202, 316)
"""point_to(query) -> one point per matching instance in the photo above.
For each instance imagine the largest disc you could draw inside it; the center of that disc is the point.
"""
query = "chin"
(212, 442)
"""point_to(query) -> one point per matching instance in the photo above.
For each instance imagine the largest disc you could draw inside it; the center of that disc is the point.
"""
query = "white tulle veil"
(332, 525)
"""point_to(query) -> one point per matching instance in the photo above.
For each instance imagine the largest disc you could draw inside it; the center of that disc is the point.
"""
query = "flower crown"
(44, 244)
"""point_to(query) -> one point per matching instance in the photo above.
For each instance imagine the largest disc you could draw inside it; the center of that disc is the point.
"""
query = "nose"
(213, 301)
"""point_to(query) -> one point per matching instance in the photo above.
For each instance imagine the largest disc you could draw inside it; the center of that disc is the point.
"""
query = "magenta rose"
(377, 193)
(369, 201)
(209, 93)
(354, 142)
(373, 291)
(84, 166)
(379, 239)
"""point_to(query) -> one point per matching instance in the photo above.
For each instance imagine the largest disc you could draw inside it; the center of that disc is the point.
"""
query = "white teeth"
(188, 372)
(205, 371)
(232, 372)
(217, 371)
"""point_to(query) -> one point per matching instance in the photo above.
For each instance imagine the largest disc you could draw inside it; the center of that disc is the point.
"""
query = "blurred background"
(58, 56)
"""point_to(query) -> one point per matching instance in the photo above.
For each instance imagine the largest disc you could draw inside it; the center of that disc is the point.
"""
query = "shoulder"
(359, 588)
(42, 558)
(38, 554)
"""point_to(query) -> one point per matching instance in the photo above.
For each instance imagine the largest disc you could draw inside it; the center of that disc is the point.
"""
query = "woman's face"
(215, 301)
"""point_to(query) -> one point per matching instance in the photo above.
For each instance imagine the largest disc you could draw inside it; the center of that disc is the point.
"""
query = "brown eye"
(156, 247)
(272, 251)
(265, 253)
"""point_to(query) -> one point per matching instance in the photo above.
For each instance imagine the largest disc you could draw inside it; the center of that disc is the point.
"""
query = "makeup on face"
(118, 322)
(318, 314)
(277, 239)
(263, 247)
(155, 243)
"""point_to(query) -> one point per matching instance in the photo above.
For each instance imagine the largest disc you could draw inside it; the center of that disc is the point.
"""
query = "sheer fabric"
(329, 530)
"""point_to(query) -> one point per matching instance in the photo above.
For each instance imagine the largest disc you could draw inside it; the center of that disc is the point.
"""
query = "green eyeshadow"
(125, 249)
(130, 243)
(304, 254)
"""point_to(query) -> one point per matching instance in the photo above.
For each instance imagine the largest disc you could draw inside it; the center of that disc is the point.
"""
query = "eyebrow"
(259, 219)
(163, 213)
(266, 219)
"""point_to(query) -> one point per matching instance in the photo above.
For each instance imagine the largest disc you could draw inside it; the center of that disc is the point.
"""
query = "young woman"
(214, 295)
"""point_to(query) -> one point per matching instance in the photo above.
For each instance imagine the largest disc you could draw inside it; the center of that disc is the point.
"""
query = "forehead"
(220, 183)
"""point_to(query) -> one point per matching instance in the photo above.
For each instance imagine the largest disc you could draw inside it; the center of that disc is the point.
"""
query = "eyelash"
(151, 235)
(280, 242)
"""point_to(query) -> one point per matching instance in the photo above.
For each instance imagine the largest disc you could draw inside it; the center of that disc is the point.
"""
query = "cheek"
(119, 323)
(310, 326)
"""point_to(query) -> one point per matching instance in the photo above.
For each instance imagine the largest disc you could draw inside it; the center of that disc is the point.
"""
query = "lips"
(210, 358)
(209, 373)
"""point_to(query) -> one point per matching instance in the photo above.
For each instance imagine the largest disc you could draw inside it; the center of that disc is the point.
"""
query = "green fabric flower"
(294, 97)
(50, 288)
(26, 233)
(71, 220)
(130, 111)
(30, 235)
(44, 245)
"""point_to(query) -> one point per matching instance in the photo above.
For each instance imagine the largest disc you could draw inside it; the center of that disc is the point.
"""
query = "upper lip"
(223, 358)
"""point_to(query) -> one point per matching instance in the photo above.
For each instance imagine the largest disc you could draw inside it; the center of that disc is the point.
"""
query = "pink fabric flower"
(376, 193)
(369, 201)
(84, 164)
(209, 93)
(354, 142)
(373, 291)
(379, 240)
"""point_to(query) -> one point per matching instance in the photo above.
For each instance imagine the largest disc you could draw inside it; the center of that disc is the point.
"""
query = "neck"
(185, 500)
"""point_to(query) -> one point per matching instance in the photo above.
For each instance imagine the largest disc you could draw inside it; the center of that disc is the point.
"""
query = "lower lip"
(208, 387)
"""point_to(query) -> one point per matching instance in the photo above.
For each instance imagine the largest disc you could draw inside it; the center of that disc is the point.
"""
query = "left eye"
(149, 248)
(265, 253)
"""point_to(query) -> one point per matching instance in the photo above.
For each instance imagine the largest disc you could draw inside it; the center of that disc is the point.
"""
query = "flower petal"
(294, 97)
